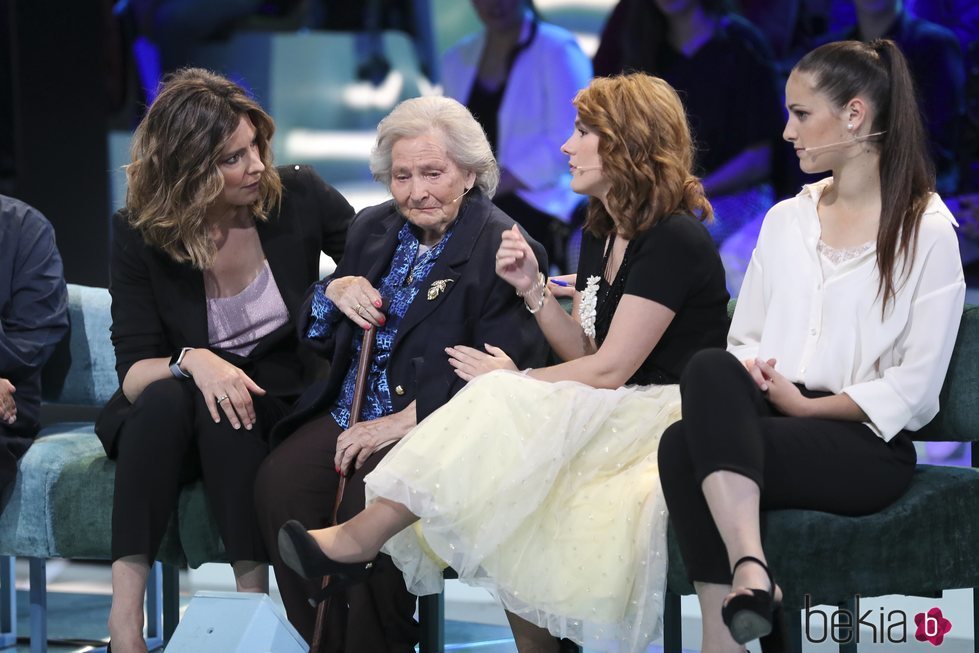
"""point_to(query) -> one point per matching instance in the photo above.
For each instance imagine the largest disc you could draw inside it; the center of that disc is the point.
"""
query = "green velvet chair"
(926, 542)
(61, 504)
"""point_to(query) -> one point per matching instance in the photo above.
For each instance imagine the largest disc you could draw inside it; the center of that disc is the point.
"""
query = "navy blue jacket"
(33, 306)
(477, 307)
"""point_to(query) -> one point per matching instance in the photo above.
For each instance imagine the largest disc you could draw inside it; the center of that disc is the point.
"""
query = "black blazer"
(477, 307)
(158, 305)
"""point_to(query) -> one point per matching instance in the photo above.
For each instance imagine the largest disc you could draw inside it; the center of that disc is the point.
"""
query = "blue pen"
(558, 282)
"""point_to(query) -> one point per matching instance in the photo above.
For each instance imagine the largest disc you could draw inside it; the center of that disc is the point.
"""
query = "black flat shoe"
(303, 555)
(751, 616)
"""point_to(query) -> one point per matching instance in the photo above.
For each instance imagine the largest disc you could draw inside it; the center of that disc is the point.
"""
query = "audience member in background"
(367, 19)
(722, 67)
(428, 253)
(790, 28)
(210, 260)
(542, 486)
(518, 77)
(33, 319)
(838, 348)
(960, 16)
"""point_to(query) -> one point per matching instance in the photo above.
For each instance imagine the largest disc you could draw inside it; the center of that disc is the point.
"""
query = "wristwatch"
(175, 361)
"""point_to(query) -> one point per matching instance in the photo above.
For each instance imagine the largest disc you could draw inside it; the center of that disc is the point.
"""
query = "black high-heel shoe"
(303, 555)
(751, 616)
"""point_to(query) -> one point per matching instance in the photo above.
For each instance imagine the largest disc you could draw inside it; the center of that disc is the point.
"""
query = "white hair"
(464, 138)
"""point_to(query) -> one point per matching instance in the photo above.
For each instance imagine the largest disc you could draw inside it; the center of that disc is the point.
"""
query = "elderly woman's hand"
(470, 363)
(356, 444)
(515, 261)
(224, 386)
(8, 409)
(357, 299)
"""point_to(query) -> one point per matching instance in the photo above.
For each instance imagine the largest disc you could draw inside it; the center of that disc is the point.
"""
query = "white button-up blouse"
(829, 333)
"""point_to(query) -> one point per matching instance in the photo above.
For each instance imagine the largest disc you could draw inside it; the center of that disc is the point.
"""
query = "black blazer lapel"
(285, 255)
(448, 267)
(379, 248)
(189, 289)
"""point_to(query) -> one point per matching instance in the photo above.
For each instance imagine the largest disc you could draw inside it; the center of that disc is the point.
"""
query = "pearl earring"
(849, 126)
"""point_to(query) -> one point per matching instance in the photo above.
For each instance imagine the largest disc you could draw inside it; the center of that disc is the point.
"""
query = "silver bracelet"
(541, 281)
(542, 284)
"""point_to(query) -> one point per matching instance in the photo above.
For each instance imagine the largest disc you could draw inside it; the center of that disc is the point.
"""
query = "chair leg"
(850, 645)
(171, 600)
(154, 607)
(794, 627)
(39, 604)
(672, 624)
(8, 603)
(431, 621)
(975, 619)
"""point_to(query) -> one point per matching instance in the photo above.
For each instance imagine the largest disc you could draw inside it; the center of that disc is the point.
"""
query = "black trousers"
(169, 439)
(808, 463)
(299, 481)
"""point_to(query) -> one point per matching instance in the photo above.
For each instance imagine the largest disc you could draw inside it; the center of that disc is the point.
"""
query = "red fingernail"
(366, 327)
(381, 319)
(377, 303)
(338, 470)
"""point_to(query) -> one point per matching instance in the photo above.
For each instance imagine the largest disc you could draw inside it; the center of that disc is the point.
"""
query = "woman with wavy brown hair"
(210, 262)
(542, 485)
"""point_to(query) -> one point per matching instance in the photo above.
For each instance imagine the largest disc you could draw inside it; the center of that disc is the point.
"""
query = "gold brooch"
(437, 288)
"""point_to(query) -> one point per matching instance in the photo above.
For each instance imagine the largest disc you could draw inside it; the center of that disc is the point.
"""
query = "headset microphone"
(460, 197)
(855, 139)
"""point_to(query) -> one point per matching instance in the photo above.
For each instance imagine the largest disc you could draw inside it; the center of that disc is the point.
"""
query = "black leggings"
(169, 439)
(808, 463)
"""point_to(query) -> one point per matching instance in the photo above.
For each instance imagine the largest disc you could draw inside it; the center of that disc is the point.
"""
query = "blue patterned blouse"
(399, 286)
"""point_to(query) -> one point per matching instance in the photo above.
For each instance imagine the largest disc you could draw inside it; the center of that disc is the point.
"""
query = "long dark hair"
(878, 72)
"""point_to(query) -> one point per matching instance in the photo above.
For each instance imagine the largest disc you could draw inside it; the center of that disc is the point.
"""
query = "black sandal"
(752, 616)
(304, 556)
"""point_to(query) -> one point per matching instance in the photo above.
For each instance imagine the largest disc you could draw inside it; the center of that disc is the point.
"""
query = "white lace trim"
(589, 301)
(837, 256)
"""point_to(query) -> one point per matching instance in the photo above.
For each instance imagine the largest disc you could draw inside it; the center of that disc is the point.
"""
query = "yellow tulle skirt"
(547, 495)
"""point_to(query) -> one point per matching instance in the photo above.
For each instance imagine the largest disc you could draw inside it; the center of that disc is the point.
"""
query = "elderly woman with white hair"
(420, 268)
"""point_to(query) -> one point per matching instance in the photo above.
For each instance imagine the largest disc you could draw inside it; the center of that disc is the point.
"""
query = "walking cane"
(360, 388)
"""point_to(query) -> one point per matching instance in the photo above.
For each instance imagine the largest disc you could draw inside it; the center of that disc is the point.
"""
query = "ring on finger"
(360, 310)
(222, 398)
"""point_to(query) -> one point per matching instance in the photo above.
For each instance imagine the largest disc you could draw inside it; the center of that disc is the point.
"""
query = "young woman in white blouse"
(839, 345)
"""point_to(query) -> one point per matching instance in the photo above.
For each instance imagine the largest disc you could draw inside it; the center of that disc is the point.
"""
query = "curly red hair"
(647, 154)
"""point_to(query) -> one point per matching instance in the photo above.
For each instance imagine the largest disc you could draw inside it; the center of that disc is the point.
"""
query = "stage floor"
(79, 597)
